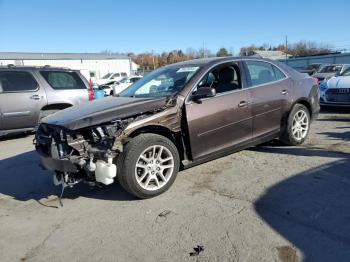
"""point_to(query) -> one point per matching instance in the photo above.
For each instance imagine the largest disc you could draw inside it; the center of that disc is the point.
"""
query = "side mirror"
(203, 92)
(337, 74)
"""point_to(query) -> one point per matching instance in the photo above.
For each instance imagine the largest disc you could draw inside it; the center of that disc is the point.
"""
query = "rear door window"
(278, 73)
(17, 81)
(61, 80)
(261, 73)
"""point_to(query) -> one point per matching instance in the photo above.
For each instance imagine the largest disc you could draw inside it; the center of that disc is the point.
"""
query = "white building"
(96, 64)
(273, 55)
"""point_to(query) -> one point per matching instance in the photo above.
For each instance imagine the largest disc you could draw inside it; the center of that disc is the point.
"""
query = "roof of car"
(10, 67)
(58, 56)
(336, 64)
(203, 61)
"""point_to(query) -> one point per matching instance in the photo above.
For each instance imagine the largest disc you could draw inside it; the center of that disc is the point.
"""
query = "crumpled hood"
(103, 110)
(339, 82)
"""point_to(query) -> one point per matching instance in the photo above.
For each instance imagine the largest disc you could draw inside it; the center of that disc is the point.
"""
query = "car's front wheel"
(297, 127)
(148, 166)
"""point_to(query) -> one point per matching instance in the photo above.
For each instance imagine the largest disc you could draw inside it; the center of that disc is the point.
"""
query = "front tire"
(297, 127)
(148, 166)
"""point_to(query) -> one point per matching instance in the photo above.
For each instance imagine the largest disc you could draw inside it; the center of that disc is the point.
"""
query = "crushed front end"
(88, 154)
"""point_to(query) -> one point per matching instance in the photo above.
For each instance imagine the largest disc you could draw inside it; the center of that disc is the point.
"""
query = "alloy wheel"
(300, 125)
(154, 167)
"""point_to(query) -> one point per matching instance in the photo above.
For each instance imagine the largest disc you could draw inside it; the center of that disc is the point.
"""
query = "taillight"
(91, 94)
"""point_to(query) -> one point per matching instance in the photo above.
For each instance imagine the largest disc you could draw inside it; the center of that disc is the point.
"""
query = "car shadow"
(334, 110)
(334, 119)
(23, 179)
(14, 136)
(278, 147)
(312, 209)
(337, 135)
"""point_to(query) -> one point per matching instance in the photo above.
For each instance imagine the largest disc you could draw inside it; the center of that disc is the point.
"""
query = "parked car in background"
(328, 71)
(118, 86)
(311, 69)
(175, 117)
(336, 90)
(28, 94)
(108, 87)
(297, 68)
(123, 84)
(111, 77)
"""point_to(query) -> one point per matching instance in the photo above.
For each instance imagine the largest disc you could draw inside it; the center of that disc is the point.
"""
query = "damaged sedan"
(176, 117)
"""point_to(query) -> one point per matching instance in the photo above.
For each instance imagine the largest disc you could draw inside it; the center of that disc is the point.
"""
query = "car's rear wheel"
(297, 127)
(148, 166)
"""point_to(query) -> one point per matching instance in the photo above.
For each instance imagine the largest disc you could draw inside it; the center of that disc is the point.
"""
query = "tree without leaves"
(145, 60)
(301, 48)
(304, 48)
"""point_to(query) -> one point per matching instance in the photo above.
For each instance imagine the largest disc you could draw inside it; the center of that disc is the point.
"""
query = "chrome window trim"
(269, 83)
(188, 101)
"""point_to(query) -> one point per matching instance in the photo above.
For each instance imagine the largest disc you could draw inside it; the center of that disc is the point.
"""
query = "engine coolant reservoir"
(105, 172)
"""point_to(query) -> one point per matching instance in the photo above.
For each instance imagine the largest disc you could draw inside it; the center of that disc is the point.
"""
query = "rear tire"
(297, 127)
(148, 166)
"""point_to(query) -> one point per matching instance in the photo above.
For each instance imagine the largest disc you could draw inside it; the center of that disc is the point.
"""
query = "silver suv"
(28, 94)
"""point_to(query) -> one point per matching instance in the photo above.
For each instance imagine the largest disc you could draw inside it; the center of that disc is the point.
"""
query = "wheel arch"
(302, 101)
(56, 106)
(174, 137)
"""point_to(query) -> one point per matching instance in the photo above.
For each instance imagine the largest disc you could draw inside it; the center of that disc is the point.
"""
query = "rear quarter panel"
(306, 89)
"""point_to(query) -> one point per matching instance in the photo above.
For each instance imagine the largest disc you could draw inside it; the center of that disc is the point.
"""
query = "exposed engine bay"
(85, 154)
(88, 154)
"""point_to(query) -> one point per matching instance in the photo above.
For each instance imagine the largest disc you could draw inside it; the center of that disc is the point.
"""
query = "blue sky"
(137, 26)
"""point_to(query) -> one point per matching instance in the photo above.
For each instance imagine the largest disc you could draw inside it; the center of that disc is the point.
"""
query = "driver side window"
(223, 79)
(208, 80)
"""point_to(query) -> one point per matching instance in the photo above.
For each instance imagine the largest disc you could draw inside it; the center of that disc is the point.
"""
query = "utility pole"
(286, 50)
(203, 51)
(154, 65)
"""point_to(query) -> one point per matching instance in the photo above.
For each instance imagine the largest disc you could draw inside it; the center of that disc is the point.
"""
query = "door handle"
(35, 97)
(243, 103)
(284, 92)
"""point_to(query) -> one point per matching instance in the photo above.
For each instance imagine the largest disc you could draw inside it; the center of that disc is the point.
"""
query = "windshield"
(107, 76)
(163, 82)
(330, 69)
(124, 80)
(313, 66)
(346, 72)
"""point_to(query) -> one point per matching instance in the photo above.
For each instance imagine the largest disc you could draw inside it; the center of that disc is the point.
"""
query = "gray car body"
(21, 111)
